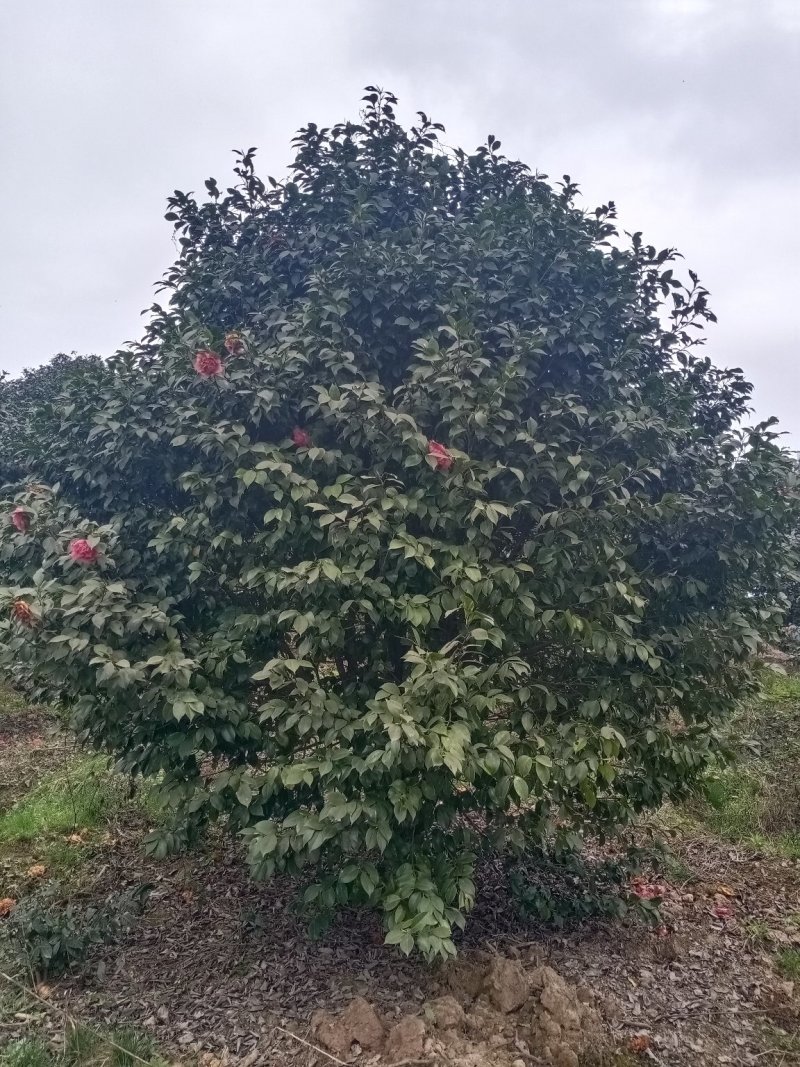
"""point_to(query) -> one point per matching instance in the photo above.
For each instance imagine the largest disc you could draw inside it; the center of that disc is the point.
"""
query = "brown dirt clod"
(506, 984)
(405, 1041)
(358, 1024)
(447, 1013)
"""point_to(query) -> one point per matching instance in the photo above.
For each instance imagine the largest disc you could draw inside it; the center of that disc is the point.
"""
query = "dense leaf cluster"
(370, 656)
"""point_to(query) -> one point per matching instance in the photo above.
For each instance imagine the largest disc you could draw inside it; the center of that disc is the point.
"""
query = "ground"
(217, 968)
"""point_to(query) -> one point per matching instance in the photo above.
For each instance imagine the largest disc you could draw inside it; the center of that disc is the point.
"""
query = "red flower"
(234, 343)
(444, 460)
(207, 363)
(23, 613)
(20, 519)
(302, 438)
(82, 552)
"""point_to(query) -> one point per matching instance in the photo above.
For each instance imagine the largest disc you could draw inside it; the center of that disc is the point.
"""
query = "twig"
(71, 1021)
(322, 1052)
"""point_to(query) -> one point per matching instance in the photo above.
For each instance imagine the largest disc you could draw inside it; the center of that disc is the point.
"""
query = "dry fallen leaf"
(6, 906)
(638, 1044)
(38, 870)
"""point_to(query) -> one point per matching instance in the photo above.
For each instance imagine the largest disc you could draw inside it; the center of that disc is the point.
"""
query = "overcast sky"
(686, 112)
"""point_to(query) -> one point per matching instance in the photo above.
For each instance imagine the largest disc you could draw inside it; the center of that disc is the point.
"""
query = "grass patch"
(742, 807)
(779, 1041)
(29, 1052)
(756, 800)
(10, 701)
(780, 687)
(83, 1047)
(787, 963)
(756, 932)
(83, 796)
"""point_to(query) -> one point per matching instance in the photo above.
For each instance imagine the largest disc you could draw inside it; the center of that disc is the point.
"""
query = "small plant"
(757, 932)
(29, 1052)
(52, 936)
(787, 962)
(789, 640)
(566, 890)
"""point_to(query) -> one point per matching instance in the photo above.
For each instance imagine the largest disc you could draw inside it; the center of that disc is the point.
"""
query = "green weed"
(29, 1052)
(756, 932)
(83, 1048)
(787, 962)
(780, 687)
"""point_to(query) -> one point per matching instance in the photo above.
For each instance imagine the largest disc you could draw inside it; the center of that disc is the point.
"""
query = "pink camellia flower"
(20, 519)
(444, 460)
(302, 438)
(234, 343)
(82, 552)
(23, 613)
(722, 911)
(207, 363)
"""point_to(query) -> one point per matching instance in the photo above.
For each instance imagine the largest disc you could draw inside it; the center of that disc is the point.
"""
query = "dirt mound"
(496, 1014)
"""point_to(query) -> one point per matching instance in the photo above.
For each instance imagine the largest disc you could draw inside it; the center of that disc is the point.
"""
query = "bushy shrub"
(416, 526)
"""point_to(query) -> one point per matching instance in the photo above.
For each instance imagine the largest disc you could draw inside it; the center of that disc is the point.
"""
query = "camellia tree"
(416, 527)
(28, 419)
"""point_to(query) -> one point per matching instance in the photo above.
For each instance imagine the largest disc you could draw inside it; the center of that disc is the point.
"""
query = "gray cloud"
(683, 111)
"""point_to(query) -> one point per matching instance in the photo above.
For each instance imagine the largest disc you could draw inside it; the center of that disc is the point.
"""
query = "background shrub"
(50, 934)
(416, 526)
(30, 414)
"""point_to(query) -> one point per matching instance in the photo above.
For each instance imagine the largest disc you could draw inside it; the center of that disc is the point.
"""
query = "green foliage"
(50, 934)
(372, 654)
